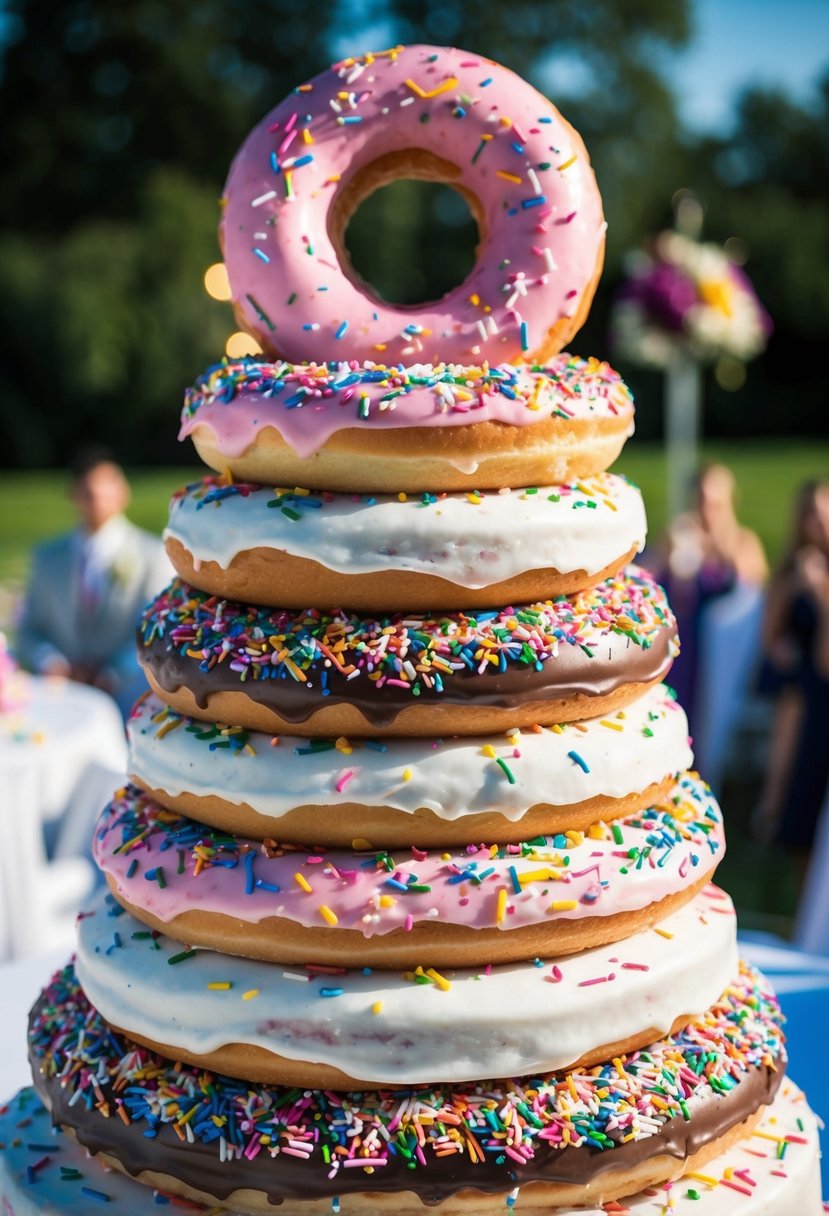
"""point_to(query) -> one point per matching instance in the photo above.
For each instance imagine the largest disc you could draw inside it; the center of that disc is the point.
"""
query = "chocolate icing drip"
(198, 1165)
(614, 664)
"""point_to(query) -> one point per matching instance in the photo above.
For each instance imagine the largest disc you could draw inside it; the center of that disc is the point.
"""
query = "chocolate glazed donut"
(336, 673)
(199, 1168)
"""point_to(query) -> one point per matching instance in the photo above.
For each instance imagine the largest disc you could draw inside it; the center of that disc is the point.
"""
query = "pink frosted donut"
(462, 907)
(434, 113)
(367, 427)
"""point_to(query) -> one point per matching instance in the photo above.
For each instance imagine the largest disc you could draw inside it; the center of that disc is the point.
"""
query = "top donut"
(413, 112)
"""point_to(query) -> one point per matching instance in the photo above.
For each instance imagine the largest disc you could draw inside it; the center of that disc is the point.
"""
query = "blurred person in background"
(86, 588)
(706, 554)
(796, 646)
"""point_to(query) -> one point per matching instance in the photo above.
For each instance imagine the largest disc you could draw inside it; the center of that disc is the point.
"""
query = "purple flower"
(664, 293)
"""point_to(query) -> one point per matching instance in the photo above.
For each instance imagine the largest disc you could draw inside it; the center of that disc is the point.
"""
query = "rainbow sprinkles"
(517, 1131)
(307, 403)
(414, 654)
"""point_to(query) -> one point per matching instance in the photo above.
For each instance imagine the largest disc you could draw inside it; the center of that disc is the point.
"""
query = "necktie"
(88, 585)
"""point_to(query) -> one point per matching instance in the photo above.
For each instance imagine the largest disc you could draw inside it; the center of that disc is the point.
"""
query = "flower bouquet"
(683, 295)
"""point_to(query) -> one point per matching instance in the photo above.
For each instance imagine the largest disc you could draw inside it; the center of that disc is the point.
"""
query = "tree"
(120, 121)
(95, 95)
(766, 184)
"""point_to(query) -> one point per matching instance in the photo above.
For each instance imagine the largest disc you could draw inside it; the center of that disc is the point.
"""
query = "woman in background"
(707, 554)
(796, 645)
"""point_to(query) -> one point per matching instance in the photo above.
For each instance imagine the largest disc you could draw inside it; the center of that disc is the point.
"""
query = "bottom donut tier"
(774, 1172)
(558, 1139)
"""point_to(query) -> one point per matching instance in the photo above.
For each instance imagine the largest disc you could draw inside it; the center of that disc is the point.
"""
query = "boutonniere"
(121, 571)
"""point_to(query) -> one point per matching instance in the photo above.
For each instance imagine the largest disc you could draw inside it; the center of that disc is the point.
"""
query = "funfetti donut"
(358, 793)
(545, 1140)
(435, 113)
(400, 553)
(460, 907)
(371, 427)
(331, 673)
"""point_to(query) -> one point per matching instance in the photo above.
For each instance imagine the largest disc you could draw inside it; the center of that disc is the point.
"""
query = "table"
(801, 981)
(62, 752)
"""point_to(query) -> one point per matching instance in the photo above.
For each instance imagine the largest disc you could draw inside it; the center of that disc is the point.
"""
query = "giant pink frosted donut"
(425, 112)
(463, 907)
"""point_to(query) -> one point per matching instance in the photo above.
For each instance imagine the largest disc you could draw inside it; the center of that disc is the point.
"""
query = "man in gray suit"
(86, 589)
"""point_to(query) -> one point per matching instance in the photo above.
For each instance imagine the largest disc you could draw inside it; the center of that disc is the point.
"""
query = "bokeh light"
(240, 344)
(736, 250)
(216, 282)
(730, 373)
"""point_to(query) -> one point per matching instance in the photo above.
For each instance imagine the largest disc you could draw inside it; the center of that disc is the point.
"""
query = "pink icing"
(645, 858)
(308, 403)
(542, 210)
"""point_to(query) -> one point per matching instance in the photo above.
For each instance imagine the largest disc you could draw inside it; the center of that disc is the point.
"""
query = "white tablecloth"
(72, 735)
(62, 752)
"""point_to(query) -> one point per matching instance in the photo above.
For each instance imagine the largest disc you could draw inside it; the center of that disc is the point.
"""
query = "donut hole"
(406, 231)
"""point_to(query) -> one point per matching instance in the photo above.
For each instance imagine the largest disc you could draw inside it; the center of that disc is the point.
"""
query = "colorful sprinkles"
(298, 503)
(410, 654)
(754, 1165)
(566, 387)
(372, 890)
(516, 1124)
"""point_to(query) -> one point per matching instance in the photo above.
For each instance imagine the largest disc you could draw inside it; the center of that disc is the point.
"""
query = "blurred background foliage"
(119, 120)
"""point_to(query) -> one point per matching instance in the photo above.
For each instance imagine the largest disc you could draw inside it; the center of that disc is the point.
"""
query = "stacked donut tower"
(410, 899)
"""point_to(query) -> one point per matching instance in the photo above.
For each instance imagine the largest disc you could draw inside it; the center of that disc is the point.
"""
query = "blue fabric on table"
(802, 984)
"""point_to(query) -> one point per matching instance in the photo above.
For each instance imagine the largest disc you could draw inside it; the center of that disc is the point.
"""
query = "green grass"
(33, 506)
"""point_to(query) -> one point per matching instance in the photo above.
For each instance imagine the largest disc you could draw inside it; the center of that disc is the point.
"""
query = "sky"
(739, 42)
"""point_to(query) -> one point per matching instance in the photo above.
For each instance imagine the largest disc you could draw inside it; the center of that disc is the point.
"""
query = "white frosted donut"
(347, 1029)
(408, 428)
(292, 548)
(28, 1142)
(425, 112)
(462, 907)
(409, 791)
